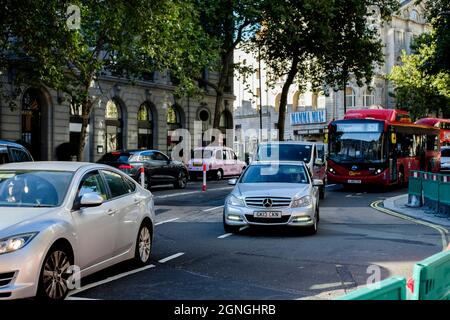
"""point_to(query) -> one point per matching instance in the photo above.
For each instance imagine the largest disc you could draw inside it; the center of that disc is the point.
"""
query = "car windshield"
(284, 152)
(202, 154)
(357, 147)
(282, 173)
(445, 152)
(33, 188)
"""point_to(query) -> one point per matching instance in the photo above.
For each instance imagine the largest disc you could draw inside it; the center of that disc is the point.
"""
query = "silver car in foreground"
(273, 193)
(60, 221)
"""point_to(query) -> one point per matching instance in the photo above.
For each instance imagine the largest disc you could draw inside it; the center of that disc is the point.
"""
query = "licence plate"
(197, 164)
(267, 214)
(354, 181)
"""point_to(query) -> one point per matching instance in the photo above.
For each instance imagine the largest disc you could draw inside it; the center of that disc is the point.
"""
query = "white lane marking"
(79, 298)
(330, 185)
(224, 236)
(243, 228)
(165, 221)
(110, 279)
(176, 255)
(212, 209)
(190, 192)
(443, 231)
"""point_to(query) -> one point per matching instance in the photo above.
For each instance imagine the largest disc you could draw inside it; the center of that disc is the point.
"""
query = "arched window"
(414, 15)
(173, 123)
(113, 122)
(350, 97)
(145, 127)
(76, 121)
(369, 98)
(277, 102)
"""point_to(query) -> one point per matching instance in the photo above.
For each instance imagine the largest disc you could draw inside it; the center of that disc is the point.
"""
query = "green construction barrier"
(444, 190)
(393, 288)
(431, 190)
(415, 184)
(432, 278)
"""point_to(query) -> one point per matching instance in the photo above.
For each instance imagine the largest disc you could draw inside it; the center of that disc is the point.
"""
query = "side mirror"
(91, 199)
(317, 183)
(232, 182)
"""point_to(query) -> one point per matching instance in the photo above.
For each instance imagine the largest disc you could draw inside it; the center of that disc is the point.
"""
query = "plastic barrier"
(444, 195)
(432, 278)
(415, 190)
(393, 288)
(430, 185)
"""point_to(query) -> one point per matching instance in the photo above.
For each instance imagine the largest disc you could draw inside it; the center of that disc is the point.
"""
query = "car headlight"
(235, 201)
(301, 202)
(16, 242)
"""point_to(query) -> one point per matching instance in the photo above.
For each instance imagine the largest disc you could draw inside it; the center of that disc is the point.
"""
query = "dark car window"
(4, 158)
(123, 157)
(19, 155)
(284, 152)
(116, 184)
(92, 182)
(131, 185)
(445, 152)
(146, 156)
(218, 155)
(159, 156)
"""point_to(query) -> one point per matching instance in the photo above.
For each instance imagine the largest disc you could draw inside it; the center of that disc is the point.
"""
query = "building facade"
(124, 116)
(309, 113)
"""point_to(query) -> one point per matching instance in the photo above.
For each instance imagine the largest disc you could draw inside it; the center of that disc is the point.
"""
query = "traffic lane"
(335, 259)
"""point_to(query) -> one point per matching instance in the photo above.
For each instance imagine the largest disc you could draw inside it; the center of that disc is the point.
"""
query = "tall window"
(31, 122)
(145, 127)
(113, 121)
(369, 98)
(173, 123)
(414, 15)
(75, 128)
(350, 97)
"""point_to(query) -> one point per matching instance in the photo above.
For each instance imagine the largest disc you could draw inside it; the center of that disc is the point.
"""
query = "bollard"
(142, 177)
(204, 178)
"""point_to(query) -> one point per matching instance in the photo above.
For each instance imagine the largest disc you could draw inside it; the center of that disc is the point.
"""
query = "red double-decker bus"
(379, 147)
(442, 124)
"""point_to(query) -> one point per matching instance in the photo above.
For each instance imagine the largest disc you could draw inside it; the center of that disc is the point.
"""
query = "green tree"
(228, 23)
(321, 42)
(418, 91)
(125, 37)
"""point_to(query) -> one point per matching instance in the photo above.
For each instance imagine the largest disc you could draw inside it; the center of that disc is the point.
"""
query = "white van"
(313, 154)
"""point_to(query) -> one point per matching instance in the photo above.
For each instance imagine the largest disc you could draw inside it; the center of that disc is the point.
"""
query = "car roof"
(212, 148)
(277, 162)
(11, 144)
(307, 143)
(49, 166)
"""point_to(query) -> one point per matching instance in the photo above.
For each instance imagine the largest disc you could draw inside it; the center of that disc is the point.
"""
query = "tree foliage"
(128, 38)
(320, 42)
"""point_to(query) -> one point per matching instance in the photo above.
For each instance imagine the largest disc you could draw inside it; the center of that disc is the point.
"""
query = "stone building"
(125, 116)
(309, 113)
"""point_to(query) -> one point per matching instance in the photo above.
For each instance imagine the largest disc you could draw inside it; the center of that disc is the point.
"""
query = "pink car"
(220, 162)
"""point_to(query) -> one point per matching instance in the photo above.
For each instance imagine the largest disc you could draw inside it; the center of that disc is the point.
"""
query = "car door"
(166, 170)
(126, 210)
(319, 162)
(227, 163)
(235, 168)
(95, 226)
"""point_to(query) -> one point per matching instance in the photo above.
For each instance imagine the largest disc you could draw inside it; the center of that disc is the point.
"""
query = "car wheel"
(55, 273)
(182, 180)
(143, 245)
(219, 175)
(228, 228)
(322, 192)
(313, 229)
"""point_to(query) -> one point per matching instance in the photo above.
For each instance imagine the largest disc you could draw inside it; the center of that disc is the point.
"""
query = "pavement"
(398, 204)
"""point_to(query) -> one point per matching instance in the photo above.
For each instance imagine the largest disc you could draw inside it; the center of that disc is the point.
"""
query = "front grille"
(283, 219)
(277, 202)
(6, 278)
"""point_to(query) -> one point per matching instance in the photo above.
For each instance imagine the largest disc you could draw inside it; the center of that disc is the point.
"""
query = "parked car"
(273, 193)
(220, 162)
(313, 154)
(55, 215)
(445, 158)
(13, 152)
(159, 168)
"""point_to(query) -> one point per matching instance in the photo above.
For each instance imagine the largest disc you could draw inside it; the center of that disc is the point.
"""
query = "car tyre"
(322, 192)
(55, 274)
(313, 229)
(219, 174)
(143, 245)
(182, 180)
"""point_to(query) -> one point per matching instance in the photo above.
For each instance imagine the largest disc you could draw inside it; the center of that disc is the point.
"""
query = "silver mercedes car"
(273, 193)
(60, 221)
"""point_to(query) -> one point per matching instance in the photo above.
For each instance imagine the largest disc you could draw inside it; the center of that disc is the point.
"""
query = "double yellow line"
(444, 232)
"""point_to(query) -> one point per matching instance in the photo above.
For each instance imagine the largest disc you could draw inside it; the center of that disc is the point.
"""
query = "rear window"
(4, 155)
(116, 157)
(285, 152)
(445, 152)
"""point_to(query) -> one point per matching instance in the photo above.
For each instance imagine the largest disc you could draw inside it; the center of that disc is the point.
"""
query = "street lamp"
(260, 93)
